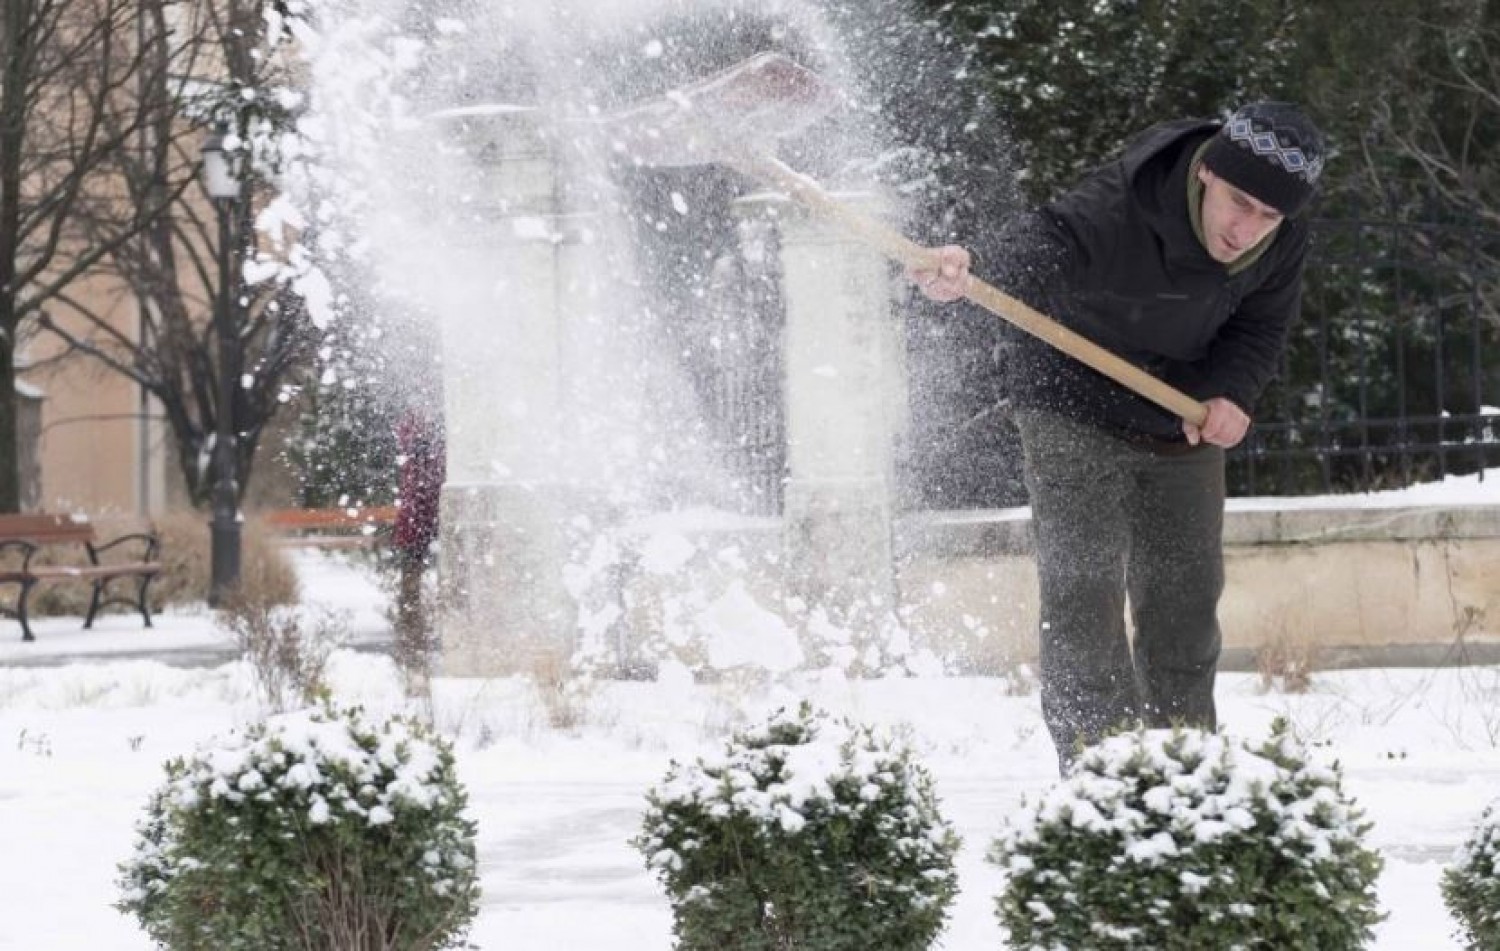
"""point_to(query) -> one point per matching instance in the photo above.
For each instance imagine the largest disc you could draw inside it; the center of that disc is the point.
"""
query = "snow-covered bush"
(1471, 886)
(802, 833)
(1182, 839)
(311, 830)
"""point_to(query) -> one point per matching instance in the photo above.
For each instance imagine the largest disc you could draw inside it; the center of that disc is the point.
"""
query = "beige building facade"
(97, 444)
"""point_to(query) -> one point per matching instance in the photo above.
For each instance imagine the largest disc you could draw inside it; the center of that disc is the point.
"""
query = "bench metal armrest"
(27, 548)
(152, 543)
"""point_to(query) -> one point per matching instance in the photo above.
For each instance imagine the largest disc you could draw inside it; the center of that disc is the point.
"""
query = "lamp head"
(221, 168)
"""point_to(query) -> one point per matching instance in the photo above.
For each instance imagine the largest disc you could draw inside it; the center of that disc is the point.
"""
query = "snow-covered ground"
(87, 719)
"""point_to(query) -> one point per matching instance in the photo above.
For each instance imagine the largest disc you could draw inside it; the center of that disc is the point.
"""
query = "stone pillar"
(505, 510)
(845, 400)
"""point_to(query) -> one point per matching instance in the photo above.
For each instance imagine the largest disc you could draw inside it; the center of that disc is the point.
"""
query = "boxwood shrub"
(1471, 886)
(803, 833)
(1185, 839)
(312, 829)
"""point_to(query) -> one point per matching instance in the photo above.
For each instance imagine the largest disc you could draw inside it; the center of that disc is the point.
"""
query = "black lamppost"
(221, 179)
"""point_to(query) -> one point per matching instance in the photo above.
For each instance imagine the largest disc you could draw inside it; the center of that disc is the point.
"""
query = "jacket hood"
(1162, 138)
(1155, 166)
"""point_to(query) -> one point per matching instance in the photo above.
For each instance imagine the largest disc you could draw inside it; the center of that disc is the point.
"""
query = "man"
(1185, 256)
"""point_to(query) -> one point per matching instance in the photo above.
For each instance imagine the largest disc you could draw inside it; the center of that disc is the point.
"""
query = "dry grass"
(566, 693)
(289, 660)
(1286, 665)
(266, 576)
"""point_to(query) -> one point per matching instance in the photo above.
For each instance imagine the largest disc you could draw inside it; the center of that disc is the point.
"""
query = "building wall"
(100, 450)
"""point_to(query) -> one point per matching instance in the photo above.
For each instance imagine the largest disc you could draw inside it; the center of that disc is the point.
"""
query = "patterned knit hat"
(1271, 151)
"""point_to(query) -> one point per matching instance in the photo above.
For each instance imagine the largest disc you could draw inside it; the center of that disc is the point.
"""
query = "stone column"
(504, 508)
(845, 400)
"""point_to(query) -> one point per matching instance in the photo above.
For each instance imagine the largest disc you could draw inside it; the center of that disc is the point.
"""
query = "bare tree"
(208, 70)
(66, 64)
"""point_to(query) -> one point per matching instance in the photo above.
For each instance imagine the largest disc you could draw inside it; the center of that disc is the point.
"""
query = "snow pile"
(310, 822)
(1181, 838)
(741, 633)
(806, 833)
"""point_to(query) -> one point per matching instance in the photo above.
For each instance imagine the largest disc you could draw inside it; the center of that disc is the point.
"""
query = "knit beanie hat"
(1271, 151)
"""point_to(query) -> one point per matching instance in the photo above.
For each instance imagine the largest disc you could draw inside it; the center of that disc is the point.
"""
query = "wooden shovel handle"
(916, 257)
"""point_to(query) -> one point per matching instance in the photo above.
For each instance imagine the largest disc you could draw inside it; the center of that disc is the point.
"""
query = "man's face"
(1233, 222)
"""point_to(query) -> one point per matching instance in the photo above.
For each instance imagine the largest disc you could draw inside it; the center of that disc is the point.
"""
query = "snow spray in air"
(673, 403)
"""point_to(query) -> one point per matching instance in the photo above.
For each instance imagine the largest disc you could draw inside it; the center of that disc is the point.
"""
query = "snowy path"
(81, 747)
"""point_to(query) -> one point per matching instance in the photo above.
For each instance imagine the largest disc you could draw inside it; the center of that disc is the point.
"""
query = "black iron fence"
(1393, 375)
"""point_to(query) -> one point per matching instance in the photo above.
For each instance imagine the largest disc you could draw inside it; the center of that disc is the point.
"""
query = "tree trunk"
(13, 23)
(10, 449)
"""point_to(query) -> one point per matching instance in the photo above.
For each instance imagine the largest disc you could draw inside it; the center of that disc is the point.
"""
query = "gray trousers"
(1114, 518)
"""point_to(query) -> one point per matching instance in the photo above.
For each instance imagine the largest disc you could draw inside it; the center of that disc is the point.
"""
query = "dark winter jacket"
(1117, 260)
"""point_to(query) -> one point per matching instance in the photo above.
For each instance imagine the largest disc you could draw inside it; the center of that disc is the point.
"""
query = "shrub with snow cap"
(802, 833)
(312, 829)
(1182, 839)
(1471, 886)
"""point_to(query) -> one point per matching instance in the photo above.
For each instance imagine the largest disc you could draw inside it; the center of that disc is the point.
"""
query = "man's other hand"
(950, 279)
(1225, 426)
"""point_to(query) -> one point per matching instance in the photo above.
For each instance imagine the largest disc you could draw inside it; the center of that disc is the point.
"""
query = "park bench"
(23, 538)
(335, 527)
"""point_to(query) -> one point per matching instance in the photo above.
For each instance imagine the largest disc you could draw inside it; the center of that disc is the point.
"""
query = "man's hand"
(950, 280)
(1225, 426)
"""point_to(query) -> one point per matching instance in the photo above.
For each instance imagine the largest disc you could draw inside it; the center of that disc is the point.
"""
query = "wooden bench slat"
(44, 528)
(304, 519)
(51, 572)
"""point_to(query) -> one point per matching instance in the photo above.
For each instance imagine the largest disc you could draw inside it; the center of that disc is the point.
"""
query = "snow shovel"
(722, 119)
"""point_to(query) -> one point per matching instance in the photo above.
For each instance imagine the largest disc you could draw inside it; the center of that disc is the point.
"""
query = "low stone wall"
(1341, 586)
(1327, 586)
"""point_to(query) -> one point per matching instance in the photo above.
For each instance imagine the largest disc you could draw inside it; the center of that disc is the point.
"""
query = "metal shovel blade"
(748, 105)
